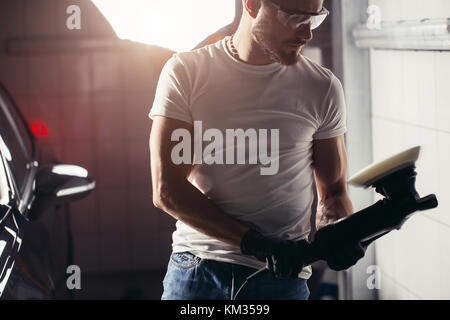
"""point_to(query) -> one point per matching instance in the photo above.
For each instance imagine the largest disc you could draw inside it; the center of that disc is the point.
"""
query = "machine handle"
(367, 225)
(428, 202)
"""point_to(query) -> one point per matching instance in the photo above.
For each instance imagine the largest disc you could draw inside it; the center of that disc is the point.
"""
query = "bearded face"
(279, 42)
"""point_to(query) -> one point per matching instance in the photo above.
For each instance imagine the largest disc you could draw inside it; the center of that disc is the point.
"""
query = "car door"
(11, 222)
(16, 176)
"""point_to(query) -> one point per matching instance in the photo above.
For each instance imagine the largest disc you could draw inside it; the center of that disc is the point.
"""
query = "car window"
(4, 188)
(12, 149)
(20, 124)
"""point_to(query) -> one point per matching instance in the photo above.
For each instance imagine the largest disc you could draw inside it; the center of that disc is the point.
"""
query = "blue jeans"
(189, 277)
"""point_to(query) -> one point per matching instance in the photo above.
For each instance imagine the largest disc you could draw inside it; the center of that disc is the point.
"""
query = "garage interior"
(88, 92)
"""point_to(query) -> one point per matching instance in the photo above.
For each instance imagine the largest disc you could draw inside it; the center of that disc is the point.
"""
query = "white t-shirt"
(304, 101)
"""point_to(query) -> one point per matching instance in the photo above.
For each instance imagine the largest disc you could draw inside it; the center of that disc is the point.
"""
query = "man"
(233, 218)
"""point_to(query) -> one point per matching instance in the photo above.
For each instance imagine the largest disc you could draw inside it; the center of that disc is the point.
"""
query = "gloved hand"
(284, 258)
(343, 257)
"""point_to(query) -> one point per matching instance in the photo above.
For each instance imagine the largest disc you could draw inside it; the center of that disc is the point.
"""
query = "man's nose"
(304, 32)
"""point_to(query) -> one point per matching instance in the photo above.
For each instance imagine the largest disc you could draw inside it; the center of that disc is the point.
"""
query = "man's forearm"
(338, 205)
(186, 203)
(332, 208)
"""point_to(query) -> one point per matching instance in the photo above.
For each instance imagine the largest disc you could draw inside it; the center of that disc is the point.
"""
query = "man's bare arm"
(330, 170)
(174, 194)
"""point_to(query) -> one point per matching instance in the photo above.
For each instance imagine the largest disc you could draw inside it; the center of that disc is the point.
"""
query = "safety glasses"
(297, 18)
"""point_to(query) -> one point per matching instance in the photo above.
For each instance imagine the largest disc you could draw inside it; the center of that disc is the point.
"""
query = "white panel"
(392, 290)
(419, 261)
(430, 260)
(444, 248)
(398, 251)
(401, 293)
(390, 10)
(385, 249)
(427, 88)
(436, 9)
(388, 288)
(378, 138)
(410, 10)
(411, 87)
(388, 138)
(443, 167)
(387, 74)
(442, 90)
(394, 67)
(396, 139)
(377, 74)
(406, 252)
(410, 100)
(444, 5)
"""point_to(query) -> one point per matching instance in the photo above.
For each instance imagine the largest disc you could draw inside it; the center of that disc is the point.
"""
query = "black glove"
(345, 256)
(284, 258)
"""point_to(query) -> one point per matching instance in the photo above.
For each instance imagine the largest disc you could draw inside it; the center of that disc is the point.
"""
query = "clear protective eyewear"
(297, 18)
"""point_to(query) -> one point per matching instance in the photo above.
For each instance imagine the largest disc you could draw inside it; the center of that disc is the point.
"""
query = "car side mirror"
(62, 183)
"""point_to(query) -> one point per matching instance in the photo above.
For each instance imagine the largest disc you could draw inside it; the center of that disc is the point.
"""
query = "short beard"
(266, 44)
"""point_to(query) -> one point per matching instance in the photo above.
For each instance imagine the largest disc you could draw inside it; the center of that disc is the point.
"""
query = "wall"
(411, 106)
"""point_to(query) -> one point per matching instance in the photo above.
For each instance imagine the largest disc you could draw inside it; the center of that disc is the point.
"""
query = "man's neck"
(248, 50)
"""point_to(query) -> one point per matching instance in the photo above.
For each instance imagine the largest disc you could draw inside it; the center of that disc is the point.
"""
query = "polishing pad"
(373, 173)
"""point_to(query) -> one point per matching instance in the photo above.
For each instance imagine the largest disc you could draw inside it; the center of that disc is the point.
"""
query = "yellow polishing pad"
(378, 170)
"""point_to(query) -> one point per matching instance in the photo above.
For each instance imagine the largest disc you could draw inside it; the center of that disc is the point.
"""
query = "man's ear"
(252, 7)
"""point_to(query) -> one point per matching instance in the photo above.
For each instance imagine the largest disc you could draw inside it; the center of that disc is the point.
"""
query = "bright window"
(175, 24)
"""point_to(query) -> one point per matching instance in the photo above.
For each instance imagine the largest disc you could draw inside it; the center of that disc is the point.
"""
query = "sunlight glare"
(178, 25)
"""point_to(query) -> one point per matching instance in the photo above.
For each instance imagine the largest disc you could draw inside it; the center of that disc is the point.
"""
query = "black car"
(29, 188)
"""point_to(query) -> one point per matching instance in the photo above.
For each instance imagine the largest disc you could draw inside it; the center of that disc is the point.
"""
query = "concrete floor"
(148, 285)
(121, 286)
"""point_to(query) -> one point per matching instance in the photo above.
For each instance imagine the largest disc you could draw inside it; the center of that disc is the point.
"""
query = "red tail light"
(39, 128)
